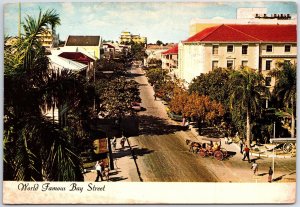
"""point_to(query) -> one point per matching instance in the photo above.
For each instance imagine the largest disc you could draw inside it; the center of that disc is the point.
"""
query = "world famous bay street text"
(55, 187)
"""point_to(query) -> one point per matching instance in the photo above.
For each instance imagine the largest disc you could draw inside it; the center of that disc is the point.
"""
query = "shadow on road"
(262, 174)
(231, 153)
(142, 151)
(115, 179)
(136, 75)
(151, 125)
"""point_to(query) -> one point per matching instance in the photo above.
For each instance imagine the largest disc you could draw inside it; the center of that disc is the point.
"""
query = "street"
(162, 154)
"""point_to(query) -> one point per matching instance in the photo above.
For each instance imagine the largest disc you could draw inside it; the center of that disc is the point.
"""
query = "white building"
(233, 46)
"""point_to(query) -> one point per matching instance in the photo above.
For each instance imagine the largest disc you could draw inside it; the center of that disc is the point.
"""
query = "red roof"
(246, 33)
(76, 56)
(173, 50)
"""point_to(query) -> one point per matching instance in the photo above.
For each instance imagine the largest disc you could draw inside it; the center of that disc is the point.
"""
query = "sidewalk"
(124, 164)
(235, 170)
(257, 151)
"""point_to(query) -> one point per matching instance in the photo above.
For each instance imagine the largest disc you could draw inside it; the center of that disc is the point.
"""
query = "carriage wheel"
(287, 147)
(202, 153)
(224, 151)
(218, 155)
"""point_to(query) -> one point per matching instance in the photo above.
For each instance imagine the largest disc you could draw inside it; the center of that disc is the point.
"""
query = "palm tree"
(246, 91)
(34, 147)
(285, 88)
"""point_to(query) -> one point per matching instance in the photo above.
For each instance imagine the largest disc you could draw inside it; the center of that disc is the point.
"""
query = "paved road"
(162, 154)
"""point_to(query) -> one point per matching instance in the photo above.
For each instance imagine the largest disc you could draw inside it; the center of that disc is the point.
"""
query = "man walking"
(99, 173)
(246, 154)
(270, 175)
(254, 167)
(241, 143)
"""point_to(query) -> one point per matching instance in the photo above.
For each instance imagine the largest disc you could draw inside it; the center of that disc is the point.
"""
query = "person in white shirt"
(254, 167)
(99, 174)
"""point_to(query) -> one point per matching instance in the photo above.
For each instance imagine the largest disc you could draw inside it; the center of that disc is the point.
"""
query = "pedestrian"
(122, 141)
(254, 167)
(246, 154)
(99, 174)
(114, 143)
(106, 173)
(226, 137)
(270, 177)
(154, 96)
(241, 143)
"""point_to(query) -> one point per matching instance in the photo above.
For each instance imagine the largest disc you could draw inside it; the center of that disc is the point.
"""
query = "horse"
(194, 146)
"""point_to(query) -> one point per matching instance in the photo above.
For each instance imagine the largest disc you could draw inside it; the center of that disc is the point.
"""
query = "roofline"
(170, 53)
(260, 42)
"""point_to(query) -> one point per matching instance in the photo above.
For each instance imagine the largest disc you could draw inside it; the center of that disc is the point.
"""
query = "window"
(215, 49)
(229, 48)
(268, 64)
(244, 49)
(244, 63)
(269, 48)
(268, 81)
(214, 64)
(230, 64)
(287, 48)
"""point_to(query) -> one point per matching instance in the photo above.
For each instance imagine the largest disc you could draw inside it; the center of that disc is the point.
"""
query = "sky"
(165, 21)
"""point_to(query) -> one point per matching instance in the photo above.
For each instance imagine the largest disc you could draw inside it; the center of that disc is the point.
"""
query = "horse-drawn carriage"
(210, 148)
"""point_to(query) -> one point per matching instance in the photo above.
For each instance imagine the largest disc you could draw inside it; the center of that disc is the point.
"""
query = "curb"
(271, 155)
(134, 159)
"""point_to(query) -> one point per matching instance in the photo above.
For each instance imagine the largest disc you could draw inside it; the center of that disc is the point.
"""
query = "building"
(170, 61)
(77, 54)
(109, 50)
(49, 39)
(91, 44)
(154, 52)
(233, 46)
(244, 16)
(56, 65)
(127, 37)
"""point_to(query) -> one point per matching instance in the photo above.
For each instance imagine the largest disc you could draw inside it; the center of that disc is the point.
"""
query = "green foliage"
(247, 90)
(156, 76)
(34, 147)
(116, 96)
(285, 89)
(214, 84)
(137, 51)
(158, 42)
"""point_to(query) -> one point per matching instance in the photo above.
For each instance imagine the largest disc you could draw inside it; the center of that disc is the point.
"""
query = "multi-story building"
(127, 37)
(170, 61)
(49, 38)
(243, 16)
(232, 46)
(154, 52)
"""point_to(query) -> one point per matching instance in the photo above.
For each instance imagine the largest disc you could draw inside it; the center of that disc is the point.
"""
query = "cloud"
(68, 7)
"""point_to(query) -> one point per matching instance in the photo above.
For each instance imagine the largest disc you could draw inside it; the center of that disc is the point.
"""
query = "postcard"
(149, 102)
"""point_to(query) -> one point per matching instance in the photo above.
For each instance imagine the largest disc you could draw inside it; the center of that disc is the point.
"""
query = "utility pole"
(19, 22)
(273, 165)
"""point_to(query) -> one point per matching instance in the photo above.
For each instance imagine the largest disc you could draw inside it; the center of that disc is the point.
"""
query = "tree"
(195, 106)
(156, 76)
(35, 149)
(285, 88)
(247, 89)
(214, 84)
(158, 42)
(116, 97)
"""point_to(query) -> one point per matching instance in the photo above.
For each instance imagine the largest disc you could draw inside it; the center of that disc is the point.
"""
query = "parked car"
(136, 106)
